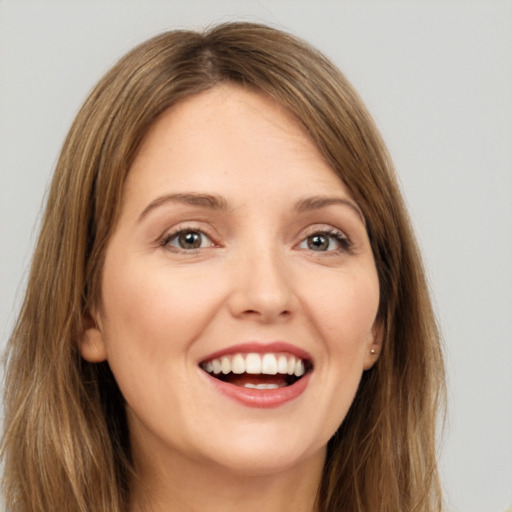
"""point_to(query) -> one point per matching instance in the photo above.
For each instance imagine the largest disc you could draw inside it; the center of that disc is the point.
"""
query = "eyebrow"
(208, 201)
(318, 202)
(216, 202)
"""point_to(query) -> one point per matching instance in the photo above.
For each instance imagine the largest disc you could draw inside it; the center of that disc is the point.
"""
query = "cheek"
(345, 309)
(342, 310)
(153, 317)
(151, 306)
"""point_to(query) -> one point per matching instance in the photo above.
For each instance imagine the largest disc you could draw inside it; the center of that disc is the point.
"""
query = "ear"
(374, 346)
(92, 345)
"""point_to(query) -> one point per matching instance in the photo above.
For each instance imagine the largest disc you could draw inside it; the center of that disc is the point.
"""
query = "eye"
(326, 241)
(188, 239)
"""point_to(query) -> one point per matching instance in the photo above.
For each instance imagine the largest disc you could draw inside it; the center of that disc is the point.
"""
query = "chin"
(260, 452)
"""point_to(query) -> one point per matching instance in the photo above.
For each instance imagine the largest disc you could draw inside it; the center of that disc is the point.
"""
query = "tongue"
(245, 378)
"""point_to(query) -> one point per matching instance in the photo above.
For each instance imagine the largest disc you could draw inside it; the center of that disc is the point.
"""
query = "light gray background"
(437, 76)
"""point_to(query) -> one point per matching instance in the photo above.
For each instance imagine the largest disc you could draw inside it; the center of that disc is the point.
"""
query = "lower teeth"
(261, 386)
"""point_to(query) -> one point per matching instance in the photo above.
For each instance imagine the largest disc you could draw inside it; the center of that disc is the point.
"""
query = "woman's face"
(239, 290)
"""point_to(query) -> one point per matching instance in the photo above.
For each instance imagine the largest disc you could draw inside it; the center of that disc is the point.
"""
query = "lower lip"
(261, 398)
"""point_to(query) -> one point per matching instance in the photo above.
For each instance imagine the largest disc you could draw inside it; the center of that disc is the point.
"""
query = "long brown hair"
(65, 445)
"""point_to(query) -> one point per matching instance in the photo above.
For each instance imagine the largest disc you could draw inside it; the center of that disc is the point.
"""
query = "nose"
(263, 288)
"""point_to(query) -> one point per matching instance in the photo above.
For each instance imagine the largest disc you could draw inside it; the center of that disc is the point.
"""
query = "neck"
(191, 486)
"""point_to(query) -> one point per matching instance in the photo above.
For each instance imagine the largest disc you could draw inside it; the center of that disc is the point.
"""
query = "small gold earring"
(373, 351)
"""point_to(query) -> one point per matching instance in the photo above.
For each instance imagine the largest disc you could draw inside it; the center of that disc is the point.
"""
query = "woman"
(226, 307)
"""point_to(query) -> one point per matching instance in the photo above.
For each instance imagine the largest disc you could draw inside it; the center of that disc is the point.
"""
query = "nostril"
(267, 315)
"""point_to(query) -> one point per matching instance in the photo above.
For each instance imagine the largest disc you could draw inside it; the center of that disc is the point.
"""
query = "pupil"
(189, 240)
(318, 242)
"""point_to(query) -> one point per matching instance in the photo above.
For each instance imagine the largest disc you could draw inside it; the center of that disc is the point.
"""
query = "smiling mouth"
(258, 371)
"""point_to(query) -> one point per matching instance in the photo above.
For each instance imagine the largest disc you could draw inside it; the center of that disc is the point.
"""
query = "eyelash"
(345, 245)
(175, 234)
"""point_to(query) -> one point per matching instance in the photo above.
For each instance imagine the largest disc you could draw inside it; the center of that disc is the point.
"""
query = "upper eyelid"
(189, 225)
(324, 228)
(179, 229)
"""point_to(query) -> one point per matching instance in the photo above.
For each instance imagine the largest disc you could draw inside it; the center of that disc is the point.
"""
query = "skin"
(256, 276)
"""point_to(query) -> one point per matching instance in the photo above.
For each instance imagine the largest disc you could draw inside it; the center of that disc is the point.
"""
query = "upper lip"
(260, 348)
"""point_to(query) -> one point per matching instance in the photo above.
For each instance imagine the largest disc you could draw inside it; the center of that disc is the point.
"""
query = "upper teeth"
(267, 364)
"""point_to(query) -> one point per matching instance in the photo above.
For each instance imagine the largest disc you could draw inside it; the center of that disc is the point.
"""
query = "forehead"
(229, 138)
